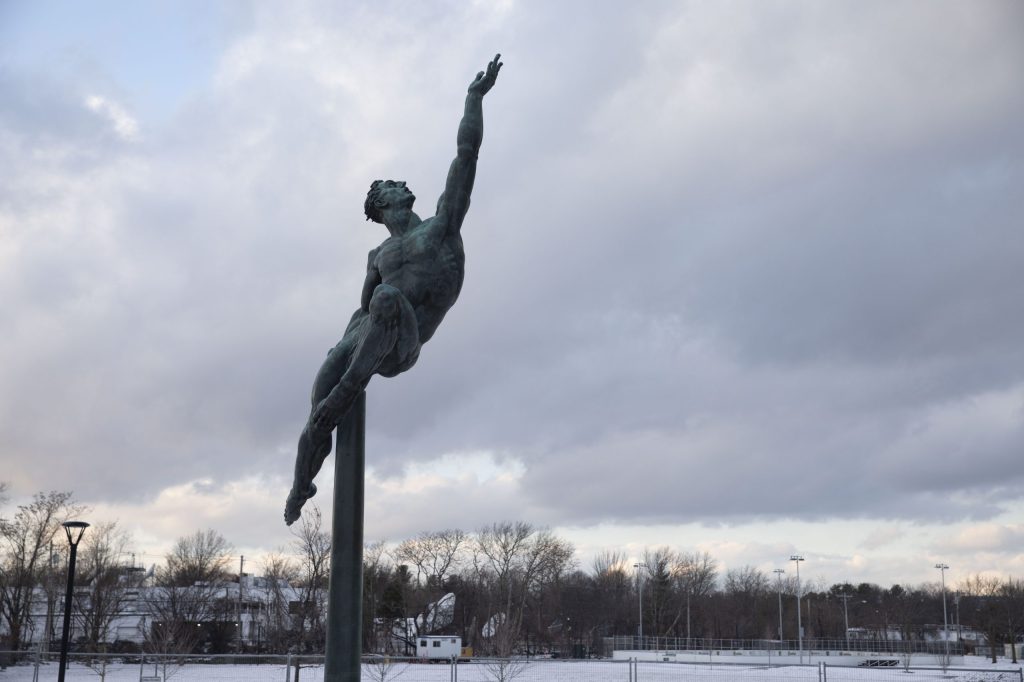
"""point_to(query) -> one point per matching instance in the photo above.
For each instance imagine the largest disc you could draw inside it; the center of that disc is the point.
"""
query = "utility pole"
(959, 630)
(241, 572)
(846, 618)
(778, 572)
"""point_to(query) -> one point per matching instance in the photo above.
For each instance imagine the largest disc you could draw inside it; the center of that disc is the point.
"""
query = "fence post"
(288, 669)
(39, 655)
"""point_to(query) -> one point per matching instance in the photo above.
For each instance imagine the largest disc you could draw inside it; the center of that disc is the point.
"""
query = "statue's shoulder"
(434, 228)
(371, 257)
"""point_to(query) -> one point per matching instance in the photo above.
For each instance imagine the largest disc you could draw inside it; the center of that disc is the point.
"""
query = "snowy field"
(975, 670)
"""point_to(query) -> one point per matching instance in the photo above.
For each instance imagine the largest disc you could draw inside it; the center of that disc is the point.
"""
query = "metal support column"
(345, 594)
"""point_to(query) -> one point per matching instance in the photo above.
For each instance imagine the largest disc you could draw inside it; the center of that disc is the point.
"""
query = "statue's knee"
(385, 302)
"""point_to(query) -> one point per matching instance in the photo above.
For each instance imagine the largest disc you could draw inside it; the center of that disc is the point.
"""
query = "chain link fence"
(27, 666)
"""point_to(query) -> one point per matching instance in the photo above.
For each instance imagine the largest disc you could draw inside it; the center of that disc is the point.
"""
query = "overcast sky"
(743, 277)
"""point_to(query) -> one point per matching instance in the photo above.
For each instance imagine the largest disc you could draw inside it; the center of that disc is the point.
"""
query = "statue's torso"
(427, 270)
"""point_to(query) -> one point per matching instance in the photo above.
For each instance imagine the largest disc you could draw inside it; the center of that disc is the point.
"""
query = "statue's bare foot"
(293, 507)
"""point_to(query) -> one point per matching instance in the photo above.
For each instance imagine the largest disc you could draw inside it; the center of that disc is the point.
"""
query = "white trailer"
(438, 647)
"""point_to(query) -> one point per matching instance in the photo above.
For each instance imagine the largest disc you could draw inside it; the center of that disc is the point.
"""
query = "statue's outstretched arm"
(454, 203)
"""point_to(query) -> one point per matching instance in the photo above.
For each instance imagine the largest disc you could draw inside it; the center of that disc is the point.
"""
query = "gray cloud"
(769, 251)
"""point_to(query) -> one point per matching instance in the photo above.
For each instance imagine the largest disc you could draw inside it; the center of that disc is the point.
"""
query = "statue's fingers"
(479, 75)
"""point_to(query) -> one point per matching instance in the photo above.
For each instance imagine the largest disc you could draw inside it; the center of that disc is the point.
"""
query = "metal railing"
(31, 666)
(816, 645)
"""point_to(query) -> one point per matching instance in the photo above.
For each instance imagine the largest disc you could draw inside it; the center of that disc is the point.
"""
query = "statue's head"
(386, 194)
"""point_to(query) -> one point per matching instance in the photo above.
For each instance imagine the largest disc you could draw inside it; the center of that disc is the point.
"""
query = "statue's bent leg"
(388, 344)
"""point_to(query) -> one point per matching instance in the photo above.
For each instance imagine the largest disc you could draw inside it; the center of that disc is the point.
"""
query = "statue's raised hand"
(484, 80)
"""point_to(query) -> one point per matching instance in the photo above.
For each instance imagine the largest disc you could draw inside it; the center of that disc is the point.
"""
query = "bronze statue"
(412, 280)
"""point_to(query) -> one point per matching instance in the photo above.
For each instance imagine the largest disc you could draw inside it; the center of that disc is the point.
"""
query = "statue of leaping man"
(412, 279)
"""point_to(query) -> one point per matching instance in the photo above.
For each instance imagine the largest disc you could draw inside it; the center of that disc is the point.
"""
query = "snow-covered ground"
(975, 670)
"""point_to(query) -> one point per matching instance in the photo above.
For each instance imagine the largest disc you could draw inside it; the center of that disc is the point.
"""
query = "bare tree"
(313, 546)
(383, 667)
(988, 594)
(379, 629)
(661, 599)
(1012, 592)
(695, 574)
(745, 590)
(433, 553)
(25, 554)
(613, 587)
(188, 594)
(497, 556)
(107, 582)
(505, 666)
(515, 561)
(200, 557)
(280, 572)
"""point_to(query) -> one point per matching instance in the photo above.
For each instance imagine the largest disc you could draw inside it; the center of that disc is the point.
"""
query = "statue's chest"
(404, 256)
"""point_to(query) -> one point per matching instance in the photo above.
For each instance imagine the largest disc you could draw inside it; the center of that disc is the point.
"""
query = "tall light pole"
(796, 558)
(846, 617)
(778, 572)
(945, 627)
(688, 572)
(74, 530)
(640, 593)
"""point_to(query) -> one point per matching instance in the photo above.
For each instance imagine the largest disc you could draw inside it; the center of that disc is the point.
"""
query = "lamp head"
(74, 530)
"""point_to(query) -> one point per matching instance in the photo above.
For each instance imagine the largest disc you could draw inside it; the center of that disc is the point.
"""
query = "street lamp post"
(640, 593)
(74, 530)
(945, 626)
(778, 572)
(796, 558)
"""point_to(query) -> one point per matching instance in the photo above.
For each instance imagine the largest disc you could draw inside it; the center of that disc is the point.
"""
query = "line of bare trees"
(517, 588)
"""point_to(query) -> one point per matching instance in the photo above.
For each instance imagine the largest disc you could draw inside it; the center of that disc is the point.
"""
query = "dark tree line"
(516, 587)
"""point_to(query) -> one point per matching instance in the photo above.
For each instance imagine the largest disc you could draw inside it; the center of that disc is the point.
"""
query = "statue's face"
(397, 195)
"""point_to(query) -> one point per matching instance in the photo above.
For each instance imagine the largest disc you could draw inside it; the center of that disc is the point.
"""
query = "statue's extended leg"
(315, 444)
(312, 451)
(384, 342)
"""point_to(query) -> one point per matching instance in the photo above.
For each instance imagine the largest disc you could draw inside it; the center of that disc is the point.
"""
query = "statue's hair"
(373, 203)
